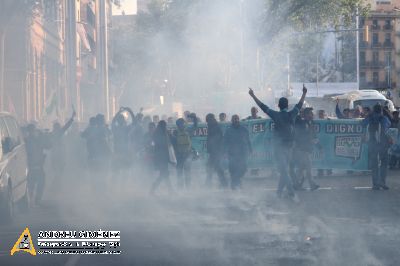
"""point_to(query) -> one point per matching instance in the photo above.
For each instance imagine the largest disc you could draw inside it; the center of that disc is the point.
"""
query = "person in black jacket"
(161, 141)
(120, 129)
(305, 139)
(238, 147)
(215, 151)
(36, 142)
(377, 125)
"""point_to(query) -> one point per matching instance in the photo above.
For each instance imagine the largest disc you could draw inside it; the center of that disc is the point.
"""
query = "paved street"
(343, 223)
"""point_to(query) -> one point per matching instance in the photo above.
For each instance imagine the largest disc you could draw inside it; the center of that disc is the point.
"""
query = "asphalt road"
(343, 223)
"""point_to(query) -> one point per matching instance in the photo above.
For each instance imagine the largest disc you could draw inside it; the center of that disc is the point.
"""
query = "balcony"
(376, 64)
(388, 45)
(388, 27)
(376, 45)
(375, 27)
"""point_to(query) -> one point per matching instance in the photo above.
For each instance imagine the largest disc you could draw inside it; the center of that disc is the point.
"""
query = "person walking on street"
(377, 125)
(215, 151)
(120, 131)
(238, 147)
(161, 140)
(36, 142)
(181, 140)
(305, 140)
(283, 138)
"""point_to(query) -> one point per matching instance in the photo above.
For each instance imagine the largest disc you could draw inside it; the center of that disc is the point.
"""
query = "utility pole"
(317, 74)
(288, 73)
(103, 55)
(358, 49)
(71, 54)
(2, 43)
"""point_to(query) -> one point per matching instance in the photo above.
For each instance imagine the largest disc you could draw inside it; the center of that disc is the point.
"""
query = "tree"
(209, 45)
(309, 15)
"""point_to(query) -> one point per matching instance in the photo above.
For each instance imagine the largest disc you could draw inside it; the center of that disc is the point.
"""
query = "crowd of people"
(144, 145)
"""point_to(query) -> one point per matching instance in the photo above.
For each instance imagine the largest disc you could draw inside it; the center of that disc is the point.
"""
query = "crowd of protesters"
(148, 146)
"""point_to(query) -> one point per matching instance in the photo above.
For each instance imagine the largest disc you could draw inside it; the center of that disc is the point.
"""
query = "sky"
(128, 6)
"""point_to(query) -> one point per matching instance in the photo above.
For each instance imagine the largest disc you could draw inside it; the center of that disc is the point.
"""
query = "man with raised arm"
(283, 138)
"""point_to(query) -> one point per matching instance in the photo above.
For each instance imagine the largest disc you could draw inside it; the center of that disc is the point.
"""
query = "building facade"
(53, 57)
(379, 44)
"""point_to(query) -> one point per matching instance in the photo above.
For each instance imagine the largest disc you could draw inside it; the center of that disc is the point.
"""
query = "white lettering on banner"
(271, 126)
(258, 127)
(348, 146)
(344, 128)
(317, 127)
(200, 131)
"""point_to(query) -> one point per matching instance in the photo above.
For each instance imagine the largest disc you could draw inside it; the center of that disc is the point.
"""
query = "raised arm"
(303, 97)
(339, 113)
(129, 110)
(68, 124)
(114, 121)
(256, 100)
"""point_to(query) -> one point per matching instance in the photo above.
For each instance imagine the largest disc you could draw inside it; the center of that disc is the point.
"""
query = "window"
(362, 58)
(388, 58)
(388, 23)
(361, 22)
(91, 17)
(361, 37)
(375, 23)
(363, 78)
(375, 56)
(387, 79)
(375, 38)
(388, 37)
(375, 77)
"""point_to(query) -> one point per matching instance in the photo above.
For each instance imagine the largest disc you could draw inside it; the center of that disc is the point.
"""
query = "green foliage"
(322, 13)
(303, 15)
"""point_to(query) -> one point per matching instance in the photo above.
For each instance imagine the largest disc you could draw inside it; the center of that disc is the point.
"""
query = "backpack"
(284, 127)
(183, 142)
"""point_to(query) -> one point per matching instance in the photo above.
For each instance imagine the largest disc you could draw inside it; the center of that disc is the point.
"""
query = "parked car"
(364, 98)
(13, 168)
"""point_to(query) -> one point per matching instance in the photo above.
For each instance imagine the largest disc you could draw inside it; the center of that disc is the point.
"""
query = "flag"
(51, 104)
(83, 35)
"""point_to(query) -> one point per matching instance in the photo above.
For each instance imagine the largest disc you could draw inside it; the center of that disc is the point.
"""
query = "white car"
(13, 168)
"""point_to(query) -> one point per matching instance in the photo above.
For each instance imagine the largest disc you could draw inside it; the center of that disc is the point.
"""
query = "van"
(13, 168)
(364, 98)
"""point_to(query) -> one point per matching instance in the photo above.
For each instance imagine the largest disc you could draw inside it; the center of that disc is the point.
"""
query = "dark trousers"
(378, 161)
(164, 176)
(237, 169)
(393, 160)
(36, 182)
(214, 165)
(283, 156)
(183, 166)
